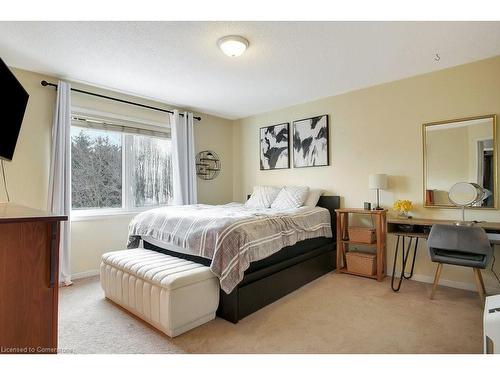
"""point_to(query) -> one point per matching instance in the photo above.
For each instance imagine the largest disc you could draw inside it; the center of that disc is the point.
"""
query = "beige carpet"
(334, 314)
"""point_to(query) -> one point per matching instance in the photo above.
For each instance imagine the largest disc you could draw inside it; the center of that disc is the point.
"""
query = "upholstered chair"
(466, 246)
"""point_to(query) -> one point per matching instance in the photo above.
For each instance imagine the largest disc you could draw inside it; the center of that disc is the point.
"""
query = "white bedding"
(231, 235)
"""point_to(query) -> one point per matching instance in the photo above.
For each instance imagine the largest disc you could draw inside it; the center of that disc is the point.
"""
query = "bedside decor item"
(367, 206)
(274, 147)
(403, 206)
(377, 182)
(208, 165)
(310, 142)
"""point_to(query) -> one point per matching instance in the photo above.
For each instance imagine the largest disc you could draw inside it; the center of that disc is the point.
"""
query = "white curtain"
(59, 199)
(183, 158)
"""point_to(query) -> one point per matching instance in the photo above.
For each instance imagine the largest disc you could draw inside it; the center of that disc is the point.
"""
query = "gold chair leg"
(436, 279)
(479, 284)
(481, 280)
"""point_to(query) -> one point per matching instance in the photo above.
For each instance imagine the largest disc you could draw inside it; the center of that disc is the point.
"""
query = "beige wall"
(216, 134)
(28, 172)
(378, 130)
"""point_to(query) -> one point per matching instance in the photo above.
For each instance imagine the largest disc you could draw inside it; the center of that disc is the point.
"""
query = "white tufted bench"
(172, 294)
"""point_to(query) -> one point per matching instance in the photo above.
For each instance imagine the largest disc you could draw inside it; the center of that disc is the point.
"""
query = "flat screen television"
(14, 100)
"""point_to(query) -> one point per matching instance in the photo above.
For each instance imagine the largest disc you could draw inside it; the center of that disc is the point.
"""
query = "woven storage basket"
(362, 234)
(363, 263)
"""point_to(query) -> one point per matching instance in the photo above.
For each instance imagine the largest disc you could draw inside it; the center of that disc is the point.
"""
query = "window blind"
(119, 125)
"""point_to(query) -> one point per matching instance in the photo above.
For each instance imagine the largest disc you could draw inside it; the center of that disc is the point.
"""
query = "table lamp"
(377, 182)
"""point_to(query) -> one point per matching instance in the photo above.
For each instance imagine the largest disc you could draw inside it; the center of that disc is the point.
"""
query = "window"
(151, 170)
(117, 171)
(96, 169)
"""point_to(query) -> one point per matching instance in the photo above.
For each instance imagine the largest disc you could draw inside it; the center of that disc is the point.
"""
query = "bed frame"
(278, 275)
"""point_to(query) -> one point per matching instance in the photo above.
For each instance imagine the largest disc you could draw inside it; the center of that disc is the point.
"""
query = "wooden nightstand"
(343, 241)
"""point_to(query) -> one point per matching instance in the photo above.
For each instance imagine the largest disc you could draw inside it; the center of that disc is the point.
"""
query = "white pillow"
(262, 196)
(290, 197)
(313, 197)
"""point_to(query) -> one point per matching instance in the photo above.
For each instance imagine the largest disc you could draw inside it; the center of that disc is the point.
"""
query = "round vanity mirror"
(465, 194)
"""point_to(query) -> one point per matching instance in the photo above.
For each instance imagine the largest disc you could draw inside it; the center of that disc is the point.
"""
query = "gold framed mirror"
(460, 150)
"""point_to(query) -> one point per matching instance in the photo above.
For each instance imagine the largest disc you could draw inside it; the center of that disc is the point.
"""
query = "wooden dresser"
(29, 269)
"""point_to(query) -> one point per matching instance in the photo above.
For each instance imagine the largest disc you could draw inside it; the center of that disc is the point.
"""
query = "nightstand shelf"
(359, 243)
(343, 241)
(344, 270)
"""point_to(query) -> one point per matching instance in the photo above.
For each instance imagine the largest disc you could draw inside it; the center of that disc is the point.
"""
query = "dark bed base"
(278, 275)
(262, 287)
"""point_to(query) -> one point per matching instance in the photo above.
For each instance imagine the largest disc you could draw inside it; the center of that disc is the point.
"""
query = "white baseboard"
(451, 283)
(490, 288)
(83, 275)
(444, 282)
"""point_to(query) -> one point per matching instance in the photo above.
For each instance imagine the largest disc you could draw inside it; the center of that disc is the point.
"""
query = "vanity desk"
(410, 231)
(459, 171)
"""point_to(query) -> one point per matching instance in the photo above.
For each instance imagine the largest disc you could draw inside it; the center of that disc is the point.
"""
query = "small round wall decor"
(208, 165)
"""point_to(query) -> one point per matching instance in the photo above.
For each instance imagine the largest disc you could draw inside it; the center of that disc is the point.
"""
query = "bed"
(251, 277)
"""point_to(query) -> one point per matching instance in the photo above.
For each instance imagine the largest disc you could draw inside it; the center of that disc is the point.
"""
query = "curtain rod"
(45, 83)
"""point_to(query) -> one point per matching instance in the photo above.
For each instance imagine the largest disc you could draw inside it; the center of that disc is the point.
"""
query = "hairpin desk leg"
(404, 259)
(413, 262)
(394, 265)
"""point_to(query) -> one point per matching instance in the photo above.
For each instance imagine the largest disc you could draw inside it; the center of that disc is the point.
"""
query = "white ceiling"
(287, 62)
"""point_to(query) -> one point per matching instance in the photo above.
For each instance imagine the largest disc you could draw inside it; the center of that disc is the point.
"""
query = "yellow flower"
(403, 205)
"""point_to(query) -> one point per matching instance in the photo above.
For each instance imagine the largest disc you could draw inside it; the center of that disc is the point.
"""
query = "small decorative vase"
(403, 214)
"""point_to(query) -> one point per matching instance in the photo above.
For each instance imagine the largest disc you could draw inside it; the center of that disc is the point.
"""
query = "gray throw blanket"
(230, 235)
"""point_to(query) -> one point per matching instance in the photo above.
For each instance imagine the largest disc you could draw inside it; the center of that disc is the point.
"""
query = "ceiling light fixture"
(233, 45)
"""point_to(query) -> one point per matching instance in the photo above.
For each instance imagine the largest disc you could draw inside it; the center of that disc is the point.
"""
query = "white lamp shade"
(377, 181)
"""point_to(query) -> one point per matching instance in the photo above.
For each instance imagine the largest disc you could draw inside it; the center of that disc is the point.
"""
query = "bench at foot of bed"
(172, 294)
